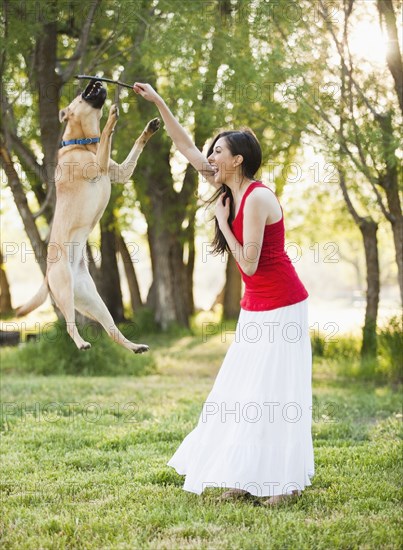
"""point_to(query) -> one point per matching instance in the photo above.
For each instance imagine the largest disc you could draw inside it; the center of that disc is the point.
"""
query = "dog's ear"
(62, 115)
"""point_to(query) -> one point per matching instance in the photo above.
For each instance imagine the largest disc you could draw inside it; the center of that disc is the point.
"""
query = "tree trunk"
(180, 283)
(190, 182)
(151, 302)
(392, 194)
(5, 296)
(164, 211)
(232, 290)
(48, 84)
(369, 229)
(21, 203)
(389, 181)
(135, 297)
(393, 56)
(190, 264)
(367, 226)
(169, 289)
(110, 288)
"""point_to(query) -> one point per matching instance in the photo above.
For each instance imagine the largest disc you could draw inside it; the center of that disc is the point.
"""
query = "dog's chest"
(98, 195)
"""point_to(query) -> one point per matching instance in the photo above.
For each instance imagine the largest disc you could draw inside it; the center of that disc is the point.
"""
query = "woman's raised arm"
(177, 133)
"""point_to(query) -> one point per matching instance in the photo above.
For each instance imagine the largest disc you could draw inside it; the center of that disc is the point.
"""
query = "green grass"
(84, 462)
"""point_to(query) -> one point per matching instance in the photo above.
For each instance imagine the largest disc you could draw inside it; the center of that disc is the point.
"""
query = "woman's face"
(225, 164)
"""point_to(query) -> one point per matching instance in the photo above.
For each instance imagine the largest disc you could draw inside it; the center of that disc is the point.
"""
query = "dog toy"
(102, 79)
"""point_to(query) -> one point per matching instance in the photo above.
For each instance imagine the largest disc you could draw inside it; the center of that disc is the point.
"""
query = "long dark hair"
(240, 142)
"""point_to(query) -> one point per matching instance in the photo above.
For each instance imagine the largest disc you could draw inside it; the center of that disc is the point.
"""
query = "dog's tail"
(36, 301)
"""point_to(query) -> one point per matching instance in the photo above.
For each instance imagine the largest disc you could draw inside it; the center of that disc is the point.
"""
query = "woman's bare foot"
(279, 499)
(233, 494)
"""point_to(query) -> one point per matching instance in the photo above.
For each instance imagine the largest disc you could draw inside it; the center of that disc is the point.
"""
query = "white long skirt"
(254, 431)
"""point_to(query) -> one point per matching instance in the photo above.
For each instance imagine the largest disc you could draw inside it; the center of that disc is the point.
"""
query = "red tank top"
(275, 282)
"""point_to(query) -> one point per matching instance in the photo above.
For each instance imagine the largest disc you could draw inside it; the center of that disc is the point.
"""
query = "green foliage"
(344, 353)
(318, 344)
(56, 353)
(144, 318)
(390, 344)
(343, 348)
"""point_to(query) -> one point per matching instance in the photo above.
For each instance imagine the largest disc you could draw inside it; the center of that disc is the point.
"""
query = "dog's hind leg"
(89, 303)
(60, 284)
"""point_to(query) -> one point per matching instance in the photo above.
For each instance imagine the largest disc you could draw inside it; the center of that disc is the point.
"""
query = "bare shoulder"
(263, 196)
(263, 201)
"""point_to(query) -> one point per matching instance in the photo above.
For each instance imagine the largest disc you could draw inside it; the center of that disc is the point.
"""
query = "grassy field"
(84, 462)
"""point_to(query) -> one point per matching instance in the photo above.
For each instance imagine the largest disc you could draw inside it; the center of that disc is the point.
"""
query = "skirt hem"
(250, 487)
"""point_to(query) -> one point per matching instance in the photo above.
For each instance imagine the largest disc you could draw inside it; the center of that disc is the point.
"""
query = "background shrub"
(54, 352)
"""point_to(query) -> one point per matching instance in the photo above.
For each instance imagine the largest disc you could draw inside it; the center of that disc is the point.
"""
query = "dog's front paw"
(153, 125)
(114, 113)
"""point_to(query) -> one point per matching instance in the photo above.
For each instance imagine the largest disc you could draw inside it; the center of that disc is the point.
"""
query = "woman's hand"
(147, 92)
(222, 210)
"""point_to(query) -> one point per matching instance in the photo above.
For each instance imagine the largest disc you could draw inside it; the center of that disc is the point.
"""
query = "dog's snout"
(94, 94)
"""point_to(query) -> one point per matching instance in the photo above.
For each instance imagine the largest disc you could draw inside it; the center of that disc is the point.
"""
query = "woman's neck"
(238, 186)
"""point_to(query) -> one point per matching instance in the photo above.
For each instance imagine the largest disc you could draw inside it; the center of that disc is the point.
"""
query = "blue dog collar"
(84, 141)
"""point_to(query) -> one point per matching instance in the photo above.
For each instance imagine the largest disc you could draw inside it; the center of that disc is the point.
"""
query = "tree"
(376, 160)
(45, 68)
(359, 138)
(225, 69)
(5, 296)
(36, 62)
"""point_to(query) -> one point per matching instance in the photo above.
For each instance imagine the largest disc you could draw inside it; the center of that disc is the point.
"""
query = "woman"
(254, 434)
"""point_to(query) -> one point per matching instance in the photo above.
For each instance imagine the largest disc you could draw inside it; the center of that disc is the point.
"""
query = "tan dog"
(83, 186)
